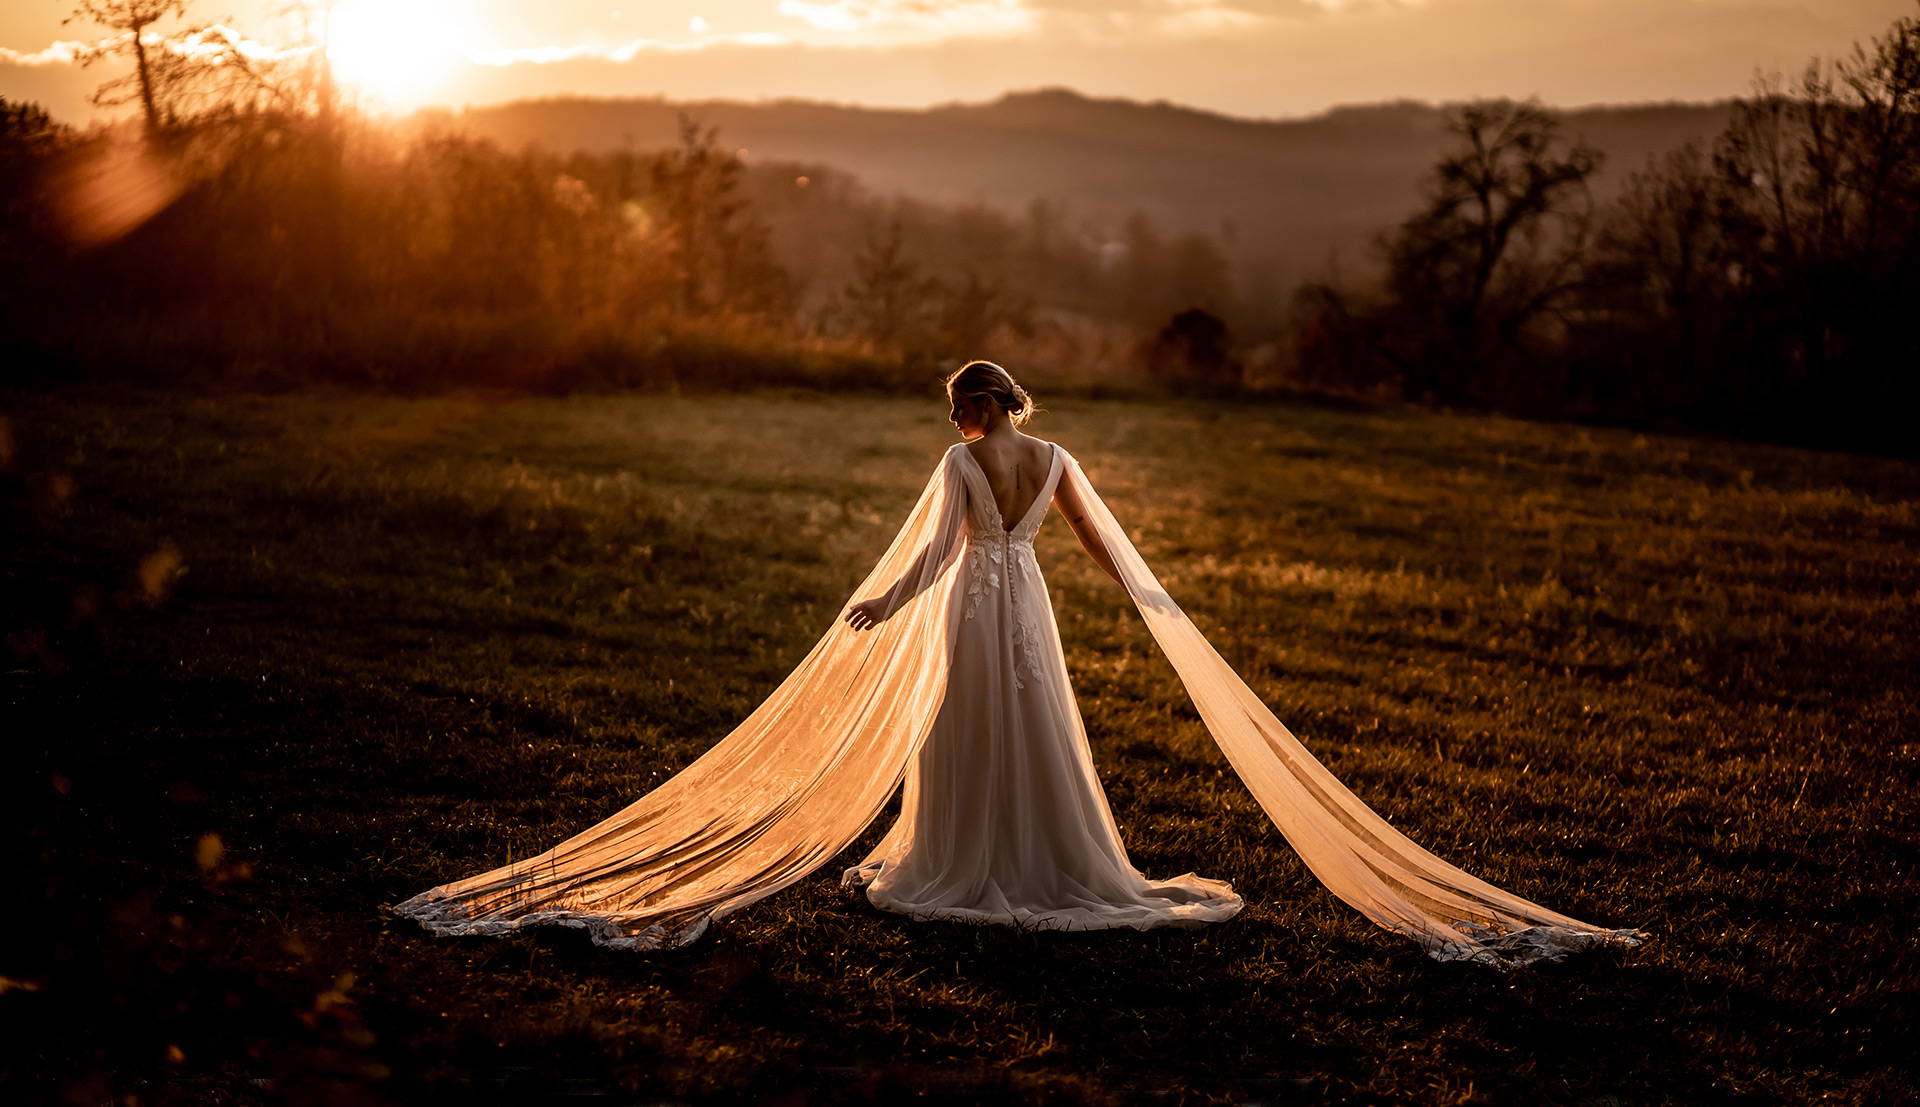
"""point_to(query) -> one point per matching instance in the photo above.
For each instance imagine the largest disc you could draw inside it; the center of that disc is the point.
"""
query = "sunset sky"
(1263, 58)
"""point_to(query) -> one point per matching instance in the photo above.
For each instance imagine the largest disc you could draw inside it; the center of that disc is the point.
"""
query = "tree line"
(1764, 283)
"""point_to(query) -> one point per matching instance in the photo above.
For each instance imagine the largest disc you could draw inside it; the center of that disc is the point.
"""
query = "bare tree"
(158, 64)
(886, 288)
(720, 255)
(1661, 293)
(129, 21)
(1498, 244)
(1822, 183)
(197, 67)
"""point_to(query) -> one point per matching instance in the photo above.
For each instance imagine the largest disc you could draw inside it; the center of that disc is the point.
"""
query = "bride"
(1003, 819)
(950, 679)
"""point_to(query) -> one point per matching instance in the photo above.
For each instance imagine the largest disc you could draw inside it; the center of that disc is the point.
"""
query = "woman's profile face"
(972, 414)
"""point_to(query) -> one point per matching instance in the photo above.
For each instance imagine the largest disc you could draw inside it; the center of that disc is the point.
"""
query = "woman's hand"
(867, 614)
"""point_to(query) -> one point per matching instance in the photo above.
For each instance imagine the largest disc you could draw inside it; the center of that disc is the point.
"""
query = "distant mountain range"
(1285, 192)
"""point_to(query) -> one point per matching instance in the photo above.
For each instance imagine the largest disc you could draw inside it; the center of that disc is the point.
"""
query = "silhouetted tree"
(718, 253)
(129, 21)
(1660, 294)
(1473, 280)
(886, 290)
(1822, 185)
(1498, 245)
(191, 69)
(1772, 289)
(1194, 347)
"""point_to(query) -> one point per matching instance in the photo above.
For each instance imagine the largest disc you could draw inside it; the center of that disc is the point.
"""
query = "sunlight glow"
(397, 52)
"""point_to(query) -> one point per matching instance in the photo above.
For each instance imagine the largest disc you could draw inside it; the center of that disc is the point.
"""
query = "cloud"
(925, 18)
(59, 53)
(622, 52)
(211, 41)
(1148, 19)
(1116, 21)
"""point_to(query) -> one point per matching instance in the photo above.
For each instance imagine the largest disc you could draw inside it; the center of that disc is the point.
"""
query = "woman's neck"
(1000, 430)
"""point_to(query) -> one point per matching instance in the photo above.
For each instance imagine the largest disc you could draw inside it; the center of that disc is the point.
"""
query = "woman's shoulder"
(1054, 449)
(1046, 453)
(960, 451)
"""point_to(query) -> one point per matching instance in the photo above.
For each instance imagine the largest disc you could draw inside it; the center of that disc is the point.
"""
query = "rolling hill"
(1284, 194)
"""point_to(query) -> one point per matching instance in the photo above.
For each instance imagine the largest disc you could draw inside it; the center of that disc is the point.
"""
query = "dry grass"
(1648, 681)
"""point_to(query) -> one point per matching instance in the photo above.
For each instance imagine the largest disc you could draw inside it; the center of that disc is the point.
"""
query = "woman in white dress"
(950, 680)
(1003, 819)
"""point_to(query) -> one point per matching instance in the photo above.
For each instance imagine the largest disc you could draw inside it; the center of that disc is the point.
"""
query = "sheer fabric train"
(813, 766)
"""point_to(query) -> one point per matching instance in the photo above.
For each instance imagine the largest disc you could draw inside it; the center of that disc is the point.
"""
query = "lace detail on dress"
(987, 559)
(980, 576)
(992, 549)
(1026, 635)
(988, 556)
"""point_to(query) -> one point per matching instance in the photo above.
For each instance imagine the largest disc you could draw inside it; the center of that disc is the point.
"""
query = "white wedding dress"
(1003, 819)
(961, 694)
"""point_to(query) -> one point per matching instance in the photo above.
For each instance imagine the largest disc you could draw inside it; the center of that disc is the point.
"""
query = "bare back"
(1016, 467)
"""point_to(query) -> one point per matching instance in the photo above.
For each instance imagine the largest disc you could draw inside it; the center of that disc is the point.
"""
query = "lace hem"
(1484, 945)
(449, 919)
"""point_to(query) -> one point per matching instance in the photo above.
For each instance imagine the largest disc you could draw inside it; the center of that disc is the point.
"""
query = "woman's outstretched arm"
(929, 563)
(868, 614)
(1067, 499)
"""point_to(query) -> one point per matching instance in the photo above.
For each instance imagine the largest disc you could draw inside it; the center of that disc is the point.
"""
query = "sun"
(396, 52)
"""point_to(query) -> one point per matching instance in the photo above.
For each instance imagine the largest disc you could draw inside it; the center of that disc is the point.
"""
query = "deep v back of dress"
(1019, 482)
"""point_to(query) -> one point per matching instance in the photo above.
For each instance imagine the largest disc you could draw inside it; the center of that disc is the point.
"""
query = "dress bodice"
(1001, 573)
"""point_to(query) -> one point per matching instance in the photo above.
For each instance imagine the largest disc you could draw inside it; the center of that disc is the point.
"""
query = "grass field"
(281, 660)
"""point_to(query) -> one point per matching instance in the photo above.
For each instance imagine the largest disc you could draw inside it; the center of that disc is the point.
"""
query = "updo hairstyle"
(984, 378)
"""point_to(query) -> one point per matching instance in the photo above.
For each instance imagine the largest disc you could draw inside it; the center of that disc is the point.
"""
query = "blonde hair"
(984, 378)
